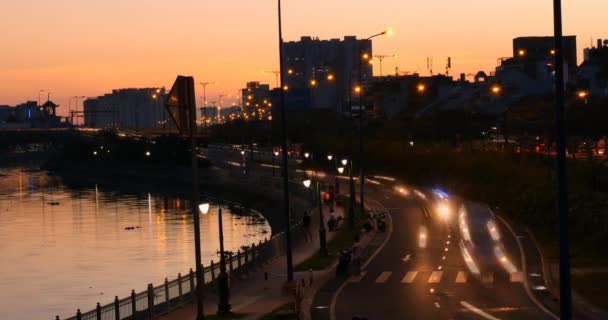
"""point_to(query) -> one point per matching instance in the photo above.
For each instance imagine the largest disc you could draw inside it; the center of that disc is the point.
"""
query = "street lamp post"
(562, 187)
(360, 92)
(351, 200)
(288, 254)
(204, 106)
(223, 307)
(39, 92)
(322, 231)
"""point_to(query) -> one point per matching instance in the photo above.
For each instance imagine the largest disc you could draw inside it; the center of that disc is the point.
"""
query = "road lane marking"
(488, 277)
(437, 305)
(461, 277)
(478, 311)
(435, 277)
(517, 277)
(409, 277)
(358, 278)
(383, 277)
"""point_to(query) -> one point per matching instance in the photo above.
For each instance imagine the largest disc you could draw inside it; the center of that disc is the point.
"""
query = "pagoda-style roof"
(49, 104)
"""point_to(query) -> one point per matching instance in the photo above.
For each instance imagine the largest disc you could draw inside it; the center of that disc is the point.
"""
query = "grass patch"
(593, 288)
(284, 312)
(344, 238)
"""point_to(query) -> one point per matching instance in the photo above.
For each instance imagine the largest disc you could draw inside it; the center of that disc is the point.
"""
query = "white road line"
(461, 277)
(358, 278)
(488, 277)
(478, 311)
(409, 277)
(517, 277)
(524, 266)
(435, 277)
(437, 305)
(383, 277)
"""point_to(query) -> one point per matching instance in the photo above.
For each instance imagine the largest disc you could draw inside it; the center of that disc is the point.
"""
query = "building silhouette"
(129, 109)
(325, 70)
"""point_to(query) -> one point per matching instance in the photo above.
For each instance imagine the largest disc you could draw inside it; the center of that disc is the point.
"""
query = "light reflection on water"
(63, 249)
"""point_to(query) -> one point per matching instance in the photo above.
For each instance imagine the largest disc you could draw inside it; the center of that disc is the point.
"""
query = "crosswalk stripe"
(517, 277)
(488, 277)
(383, 277)
(359, 277)
(461, 277)
(409, 277)
(435, 276)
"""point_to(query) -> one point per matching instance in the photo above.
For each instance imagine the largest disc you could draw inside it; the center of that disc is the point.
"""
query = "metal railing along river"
(163, 298)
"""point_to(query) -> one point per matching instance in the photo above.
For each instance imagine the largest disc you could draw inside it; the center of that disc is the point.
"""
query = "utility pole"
(284, 154)
(562, 182)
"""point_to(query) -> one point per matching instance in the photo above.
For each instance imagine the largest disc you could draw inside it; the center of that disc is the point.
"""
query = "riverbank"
(257, 192)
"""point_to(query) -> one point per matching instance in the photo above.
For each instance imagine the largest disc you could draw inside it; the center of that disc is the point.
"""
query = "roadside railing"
(170, 295)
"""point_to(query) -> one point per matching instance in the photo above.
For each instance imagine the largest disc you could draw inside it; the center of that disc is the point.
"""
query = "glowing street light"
(583, 94)
(341, 170)
(496, 89)
(313, 82)
(344, 162)
(357, 89)
(329, 157)
(203, 208)
(322, 234)
(306, 155)
(330, 77)
(421, 88)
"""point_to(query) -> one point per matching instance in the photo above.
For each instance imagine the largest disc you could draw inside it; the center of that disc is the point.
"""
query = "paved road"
(407, 281)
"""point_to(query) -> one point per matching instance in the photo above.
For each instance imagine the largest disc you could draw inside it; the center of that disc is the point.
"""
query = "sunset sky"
(87, 48)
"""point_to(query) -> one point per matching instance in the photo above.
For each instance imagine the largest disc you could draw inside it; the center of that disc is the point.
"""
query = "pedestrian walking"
(306, 220)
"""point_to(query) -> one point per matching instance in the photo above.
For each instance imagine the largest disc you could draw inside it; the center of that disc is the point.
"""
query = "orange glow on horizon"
(69, 49)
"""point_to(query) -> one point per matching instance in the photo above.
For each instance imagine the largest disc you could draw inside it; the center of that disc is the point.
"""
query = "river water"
(63, 248)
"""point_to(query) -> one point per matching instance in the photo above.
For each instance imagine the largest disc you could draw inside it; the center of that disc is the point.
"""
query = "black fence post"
(179, 287)
(238, 257)
(78, 315)
(116, 308)
(246, 253)
(212, 272)
(192, 290)
(98, 311)
(133, 305)
(253, 255)
(167, 294)
(231, 264)
(150, 301)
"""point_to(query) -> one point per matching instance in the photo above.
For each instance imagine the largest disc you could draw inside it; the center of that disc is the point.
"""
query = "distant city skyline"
(73, 48)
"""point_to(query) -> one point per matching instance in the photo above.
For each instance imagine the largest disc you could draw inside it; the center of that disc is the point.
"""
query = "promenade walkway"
(255, 294)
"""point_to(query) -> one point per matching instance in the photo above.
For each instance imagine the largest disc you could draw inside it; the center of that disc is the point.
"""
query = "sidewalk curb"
(332, 307)
(579, 303)
(524, 270)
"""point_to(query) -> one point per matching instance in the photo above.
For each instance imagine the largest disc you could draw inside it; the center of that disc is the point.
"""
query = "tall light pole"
(381, 57)
(288, 253)
(39, 92)
(77, 98)
(359, 90)
(322, 231)
(351, 205)
(223, 307)
(276, 73)
(204, 106)
(562, 187)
